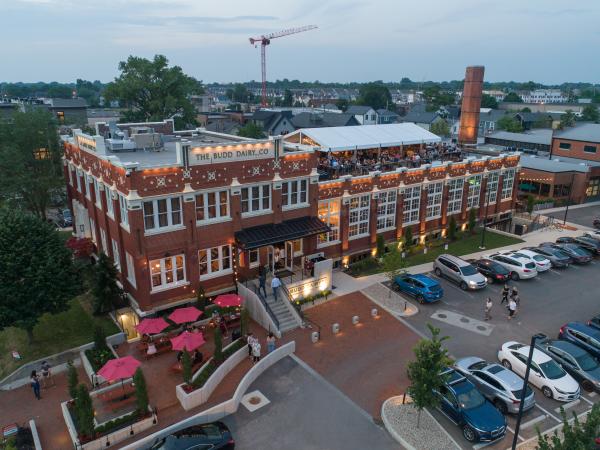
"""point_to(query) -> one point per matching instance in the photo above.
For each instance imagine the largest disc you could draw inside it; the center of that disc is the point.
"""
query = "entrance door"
(289, 255)
(271, 258)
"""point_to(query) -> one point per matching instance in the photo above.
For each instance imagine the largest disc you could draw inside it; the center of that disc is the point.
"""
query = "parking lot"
(581, 216)
(547, 302)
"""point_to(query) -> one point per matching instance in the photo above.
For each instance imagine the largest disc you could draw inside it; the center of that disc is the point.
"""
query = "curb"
(388, 310)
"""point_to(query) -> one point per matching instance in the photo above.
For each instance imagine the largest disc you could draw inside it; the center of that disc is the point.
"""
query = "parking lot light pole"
(569, 199)
(534, 338)
(487, 204)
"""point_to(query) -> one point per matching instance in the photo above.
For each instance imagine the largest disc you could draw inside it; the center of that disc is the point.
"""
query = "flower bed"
(312, 298)
(99, 356)
(208, 369)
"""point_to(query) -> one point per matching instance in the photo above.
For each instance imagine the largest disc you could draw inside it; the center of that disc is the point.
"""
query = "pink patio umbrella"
(152, 326)
(187, 341)
(185, 315)
(120, 368)
(228, 300)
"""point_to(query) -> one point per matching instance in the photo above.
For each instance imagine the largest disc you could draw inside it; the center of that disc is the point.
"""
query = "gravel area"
(401, 422)
(389, 300)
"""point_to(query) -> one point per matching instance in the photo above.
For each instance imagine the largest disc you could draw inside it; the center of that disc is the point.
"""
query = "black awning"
(273, 233)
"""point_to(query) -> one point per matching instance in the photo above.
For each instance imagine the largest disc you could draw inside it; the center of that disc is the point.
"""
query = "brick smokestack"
(471, 103)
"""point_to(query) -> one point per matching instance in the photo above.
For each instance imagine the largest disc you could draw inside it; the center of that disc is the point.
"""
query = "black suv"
(495, 273)
(211, 436)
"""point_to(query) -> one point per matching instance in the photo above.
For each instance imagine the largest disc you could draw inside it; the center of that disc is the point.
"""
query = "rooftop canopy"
(363, 136)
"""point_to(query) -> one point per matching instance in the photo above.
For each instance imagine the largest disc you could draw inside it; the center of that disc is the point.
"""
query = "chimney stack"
(471, 103)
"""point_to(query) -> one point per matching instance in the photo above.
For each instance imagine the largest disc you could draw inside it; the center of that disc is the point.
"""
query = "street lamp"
(485, 214)
(569, 199)
(534, 338)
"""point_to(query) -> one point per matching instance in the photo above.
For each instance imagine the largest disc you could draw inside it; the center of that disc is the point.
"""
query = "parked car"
(421, 287)
(464, 405)
(557, 258)
(576, 361)
(520, 268)
(494, 272)
(65, 219)
(594, 234)
(587, 243)
(545, 374)
(498, 384)
(542, 264)
(594, 322)
(214, 435)
(577, 254)
(459, 271)
(582, 335)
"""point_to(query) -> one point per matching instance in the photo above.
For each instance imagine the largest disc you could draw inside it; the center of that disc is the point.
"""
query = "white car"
(542, 264)
(594, 234)
(521, 268)
(545, 373)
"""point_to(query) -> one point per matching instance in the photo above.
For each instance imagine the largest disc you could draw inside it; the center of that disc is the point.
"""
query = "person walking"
(35, 384)
(46, 375)
(275, 285)
(270, 343)
(488, 309)
(262, 280)
(505, 291)
(256, 351)
(250, 341)
(515, 296)
(512, 308)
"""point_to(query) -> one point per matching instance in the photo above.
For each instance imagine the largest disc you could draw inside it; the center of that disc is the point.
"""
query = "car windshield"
(434, 288)
(552, 370)
(539, 258)
(587, 362)
(468, 270)
(518, 392)
(530, 265)
(470, 399)
(498, 268)
(561, 254)
(579, 251)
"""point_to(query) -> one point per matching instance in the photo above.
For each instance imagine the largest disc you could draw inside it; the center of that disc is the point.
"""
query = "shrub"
(99, 357)
(380, 246)
(186, 362)
(452, 229)
(244, 321)
(73, 379)
(115, 424)
(472, 220)
(218, 353)
(141, 393)
(530, 203)
(99, 338)
(408, 237)
(363, 265)
(84, 411)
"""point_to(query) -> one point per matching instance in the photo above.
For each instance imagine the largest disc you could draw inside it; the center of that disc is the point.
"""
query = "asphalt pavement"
(581, 216)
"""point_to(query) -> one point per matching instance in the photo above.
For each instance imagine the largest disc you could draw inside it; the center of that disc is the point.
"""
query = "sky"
(547, 41)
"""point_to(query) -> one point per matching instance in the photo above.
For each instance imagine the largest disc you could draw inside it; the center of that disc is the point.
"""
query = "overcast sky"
(548, 41)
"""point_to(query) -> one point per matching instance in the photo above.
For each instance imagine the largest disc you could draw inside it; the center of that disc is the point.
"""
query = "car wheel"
(501, 406)
(469, 433)
(514, 276)
(506, 363)
(438, 272)
(420, 299)
(547, 392)
(463, 285)
(587, 385)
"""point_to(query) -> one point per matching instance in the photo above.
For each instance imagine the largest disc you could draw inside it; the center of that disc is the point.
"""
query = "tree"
(244, 321)
(84, 411)
(440, 128)
(141, 392)
(105, 290)
(239, 94)
(186, 362)
(424, 373)
(380, 242)
(393, 264)
(72, 379)
(30, 161)
(59, 91)
(526, 109)
(218, 352)
(99, 338)
(37, 274)
(342, 104)
(567, 119)
(513, 97)
(530, 203)
(375, 95)
(408, 237)
(151, 90)
(288, 98)
(590, 113)
(251, 130)
(509, 123)
(435, 97)
(487, 101)
(472, 220)
(576, 435)
(451, 229)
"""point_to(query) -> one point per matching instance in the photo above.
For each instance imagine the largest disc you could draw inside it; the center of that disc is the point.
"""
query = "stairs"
(282, 312)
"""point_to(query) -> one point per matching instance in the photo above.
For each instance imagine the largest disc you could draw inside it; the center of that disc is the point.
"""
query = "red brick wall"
(576, 150)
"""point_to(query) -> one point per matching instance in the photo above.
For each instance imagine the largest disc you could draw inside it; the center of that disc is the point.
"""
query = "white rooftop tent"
(366, 136)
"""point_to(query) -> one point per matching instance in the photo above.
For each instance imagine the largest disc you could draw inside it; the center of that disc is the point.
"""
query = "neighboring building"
(581, 141)
(534, 140)
(488, 120)
(543, 107)
(102, 115)
(201, 102)
(365, 115)
(498, 95)
(273, 123)
(227, 126)
(68, 111)
(386, 117)
(531, 120)
(7, 109)
(544, 96)
(316, 120)
(423, 119)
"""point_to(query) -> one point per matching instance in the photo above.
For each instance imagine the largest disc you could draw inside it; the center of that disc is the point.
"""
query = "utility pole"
(487, 204)
(569, 199)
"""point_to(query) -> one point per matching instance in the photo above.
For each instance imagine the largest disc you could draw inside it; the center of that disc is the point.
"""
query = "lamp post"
(534, 338)
(487, 203)
(569, 199)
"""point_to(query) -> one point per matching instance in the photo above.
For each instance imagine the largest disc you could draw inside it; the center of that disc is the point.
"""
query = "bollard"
(314, 337)
(335, 328)
(405, 306)
(355, 320)
(374, 312)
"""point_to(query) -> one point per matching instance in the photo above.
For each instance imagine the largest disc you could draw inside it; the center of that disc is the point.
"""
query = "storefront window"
(329, 213)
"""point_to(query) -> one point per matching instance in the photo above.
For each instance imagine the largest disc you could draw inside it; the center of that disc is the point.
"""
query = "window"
(564, 146)
(97, 193)
(214, 261)
(386, 210)
(70, 171)
(593, 188)
(109, 203)
(507, 184)
(329, 213)
(93, 231)
(256, 198)
(130, 269)
(123, 210)
(589, 148)
(116, 256)
(412, 203)
(492, 187)
(474, 191)
(86, 186)
(293, 193)
(359, 216)
(212, 205)
(297, 246)
(253, 258)
(78, 179)
(103, 240)
(455, 191)
(167, 272)
(434, 200)
(162, 213)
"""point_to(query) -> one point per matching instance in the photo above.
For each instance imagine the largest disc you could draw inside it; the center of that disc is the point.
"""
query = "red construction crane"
(265, 40)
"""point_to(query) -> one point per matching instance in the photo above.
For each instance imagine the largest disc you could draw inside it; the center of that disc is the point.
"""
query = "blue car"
(584, 336)
(424, 289)
(464, 405)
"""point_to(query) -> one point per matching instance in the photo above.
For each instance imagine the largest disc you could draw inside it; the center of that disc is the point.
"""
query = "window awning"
(255, 237)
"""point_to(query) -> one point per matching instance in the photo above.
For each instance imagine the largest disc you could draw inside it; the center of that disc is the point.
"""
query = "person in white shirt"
(275, 285)
(256, 351)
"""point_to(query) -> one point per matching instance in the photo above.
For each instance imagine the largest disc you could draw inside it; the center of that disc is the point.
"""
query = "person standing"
(515, 296)
(488, 309)
(505, 291)
(46, 376)
(270, 343)
(35, 384)
(275, 285)
(262, 280)
(256, 351)
(250, 341)
(512, 308)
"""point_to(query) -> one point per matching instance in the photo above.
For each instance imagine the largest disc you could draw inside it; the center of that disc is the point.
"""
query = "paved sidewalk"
(389, 300)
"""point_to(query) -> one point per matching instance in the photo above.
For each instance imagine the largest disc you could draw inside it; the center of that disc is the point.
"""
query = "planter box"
(96, 380)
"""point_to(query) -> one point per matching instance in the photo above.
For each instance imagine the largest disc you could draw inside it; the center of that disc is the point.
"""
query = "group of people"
(254, 347)
(262, 283)
(43, 379)
(510, 297)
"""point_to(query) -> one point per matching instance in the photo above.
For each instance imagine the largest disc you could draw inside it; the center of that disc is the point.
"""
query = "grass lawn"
(65, 235)
(465, 244)
(52, 334)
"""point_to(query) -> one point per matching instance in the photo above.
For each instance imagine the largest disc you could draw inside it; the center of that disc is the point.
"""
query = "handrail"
(263, 301)
(293, 308)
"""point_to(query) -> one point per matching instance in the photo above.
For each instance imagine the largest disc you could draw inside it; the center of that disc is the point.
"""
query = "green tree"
(84, 411)
(509, 123)
(201, 298)
(567, 119)
(435, 97)
(440, 128)
(99, 338)
(380, 242)
(375, 95)
(576, 435)
(251, 130)
(186, 362)
(244, 322)
(451, 229)
(288, 98)
(487, 101)
(472, 220)
(37, 274)
(408, 237)
(72, 379)
(526, 109)
(30, 165)
(342, 104)
(141, 392)
(218, 352)
(513, 97)
(239, 94)
(530, 203)
(590, 113)
(424, 373)
(151, 90)
(60, 91)
(105, 290)
(393, 264)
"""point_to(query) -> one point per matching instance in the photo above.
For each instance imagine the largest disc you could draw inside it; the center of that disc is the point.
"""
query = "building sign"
(308, 287)
(86, 142)
(230, 153)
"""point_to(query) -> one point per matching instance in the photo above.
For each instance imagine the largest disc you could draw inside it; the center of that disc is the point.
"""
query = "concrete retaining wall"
(34, 433)
(256, 310)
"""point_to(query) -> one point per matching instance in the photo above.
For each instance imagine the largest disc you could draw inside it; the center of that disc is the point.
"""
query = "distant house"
(102, 115)
(68, 111)
(530, 120)
(365, 115)
(488, 120)
(226, 126)
(273, 123)
(384, 116)
(423, 119)
(320, 120)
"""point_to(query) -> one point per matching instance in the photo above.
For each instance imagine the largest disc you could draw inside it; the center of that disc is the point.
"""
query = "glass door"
(289, 255)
